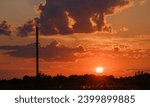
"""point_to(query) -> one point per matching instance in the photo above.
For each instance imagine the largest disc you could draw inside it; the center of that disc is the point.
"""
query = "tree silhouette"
(139, 81)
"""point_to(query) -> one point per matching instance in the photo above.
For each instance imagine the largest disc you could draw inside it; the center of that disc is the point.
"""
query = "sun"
(99, 70)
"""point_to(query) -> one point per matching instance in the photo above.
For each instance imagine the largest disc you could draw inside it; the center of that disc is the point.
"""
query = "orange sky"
(121, 53)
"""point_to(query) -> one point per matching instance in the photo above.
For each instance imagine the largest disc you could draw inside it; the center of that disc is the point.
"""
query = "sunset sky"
(76, 37)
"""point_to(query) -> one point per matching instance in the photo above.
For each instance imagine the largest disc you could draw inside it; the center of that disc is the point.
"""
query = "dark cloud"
(54, 15)
(116, 49)
(27, 28)
(27, 51)
(74, 16)
(52, 52)
(5, 29)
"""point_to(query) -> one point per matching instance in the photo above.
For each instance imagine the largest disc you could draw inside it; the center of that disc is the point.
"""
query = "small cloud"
(142, 2)
(5, 29)
(124, 29)
(116, 49)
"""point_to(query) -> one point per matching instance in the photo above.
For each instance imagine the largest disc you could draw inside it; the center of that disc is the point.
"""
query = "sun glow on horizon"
(99, 70)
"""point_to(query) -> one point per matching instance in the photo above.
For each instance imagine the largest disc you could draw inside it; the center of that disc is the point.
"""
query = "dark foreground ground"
(140, 81)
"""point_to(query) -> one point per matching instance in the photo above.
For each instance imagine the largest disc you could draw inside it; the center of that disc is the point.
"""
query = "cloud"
(140, 2)
(27, 28)
(143, 2)
(75, 16)
(5, 29)
(52, 52)
(89, 15)
(116, 49)
(124, 29)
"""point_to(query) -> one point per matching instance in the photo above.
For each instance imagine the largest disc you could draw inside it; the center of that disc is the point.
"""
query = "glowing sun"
(99, 70)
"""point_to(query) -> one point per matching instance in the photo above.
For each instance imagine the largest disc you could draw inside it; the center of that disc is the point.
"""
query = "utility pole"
(37, 52)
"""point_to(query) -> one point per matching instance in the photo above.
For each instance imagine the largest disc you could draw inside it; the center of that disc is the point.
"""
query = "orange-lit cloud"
(124, 29)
